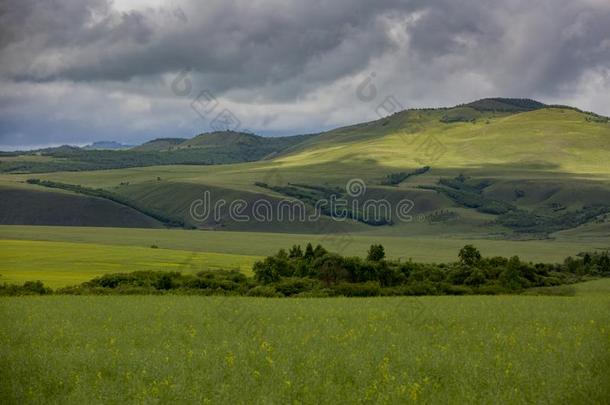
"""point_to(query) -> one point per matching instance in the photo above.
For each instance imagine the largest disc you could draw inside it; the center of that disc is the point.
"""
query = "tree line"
(316, 272)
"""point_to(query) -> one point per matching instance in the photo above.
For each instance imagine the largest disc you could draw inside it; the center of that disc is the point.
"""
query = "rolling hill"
(495, 168)
(158, 144)
(205, 149)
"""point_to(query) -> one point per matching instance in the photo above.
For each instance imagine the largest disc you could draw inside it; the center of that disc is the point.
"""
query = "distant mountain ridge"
(215, 139)
(107, 145)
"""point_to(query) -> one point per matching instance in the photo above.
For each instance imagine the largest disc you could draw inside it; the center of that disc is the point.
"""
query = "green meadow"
(59, 264)
(61, 256)
(189, 349)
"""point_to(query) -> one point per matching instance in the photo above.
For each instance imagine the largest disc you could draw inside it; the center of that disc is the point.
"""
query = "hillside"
(158, 144)
(20, 206)
(564, 140)
(496, 168)
(205, 149)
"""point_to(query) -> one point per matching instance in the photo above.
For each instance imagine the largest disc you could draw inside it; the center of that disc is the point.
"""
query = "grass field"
(61, 256)
(488, 349)
(59, 264)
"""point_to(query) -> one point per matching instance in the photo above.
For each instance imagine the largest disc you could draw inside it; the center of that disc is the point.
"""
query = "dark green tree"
(469, 255)
(511, 278)
(603, 263)
(330, 269)
(376, 253)
(319, 251)
(165, 282)
(272, 269)
(308, 252)
(295, 252)
(476, 277)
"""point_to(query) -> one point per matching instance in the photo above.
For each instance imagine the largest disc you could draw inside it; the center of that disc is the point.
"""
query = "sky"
(77, 71)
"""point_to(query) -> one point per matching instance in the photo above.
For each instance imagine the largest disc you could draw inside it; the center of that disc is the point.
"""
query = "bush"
(477, 277)
(263, 291)
(295, 285)
(562, 291)
(272, 269)
(450, 289)
(511, 278)
(368, 289)
(28, 288)
(164, 282)
(330, 268)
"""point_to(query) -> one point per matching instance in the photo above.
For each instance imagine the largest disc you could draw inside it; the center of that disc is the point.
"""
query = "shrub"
(511, 277)
(450, 289)
(295, 285)
(330, 269)
(263, 291)
(368, 289)
(562, 290)
(164, 282)
(27, 288)
(476, 277)
(272, 269)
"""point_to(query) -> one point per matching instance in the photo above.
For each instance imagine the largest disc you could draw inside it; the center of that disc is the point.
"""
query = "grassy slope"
(21, 204)
(548, 139)
(496, 349)
(159, 144)
(59, 264)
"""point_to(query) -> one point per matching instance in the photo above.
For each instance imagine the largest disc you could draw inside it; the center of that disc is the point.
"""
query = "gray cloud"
(81, 70)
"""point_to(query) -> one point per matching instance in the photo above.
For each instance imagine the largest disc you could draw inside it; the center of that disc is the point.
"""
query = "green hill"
(506, 105)
(206, 149)
(499, 168)
(159, 144)
(564, 140)
(29, 206)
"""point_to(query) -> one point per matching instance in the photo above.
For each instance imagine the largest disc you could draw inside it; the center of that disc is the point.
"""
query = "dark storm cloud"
(286, 65)
(530, 47)
(236, 43)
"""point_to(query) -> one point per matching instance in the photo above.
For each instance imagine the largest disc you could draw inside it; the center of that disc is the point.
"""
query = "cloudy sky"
(76, 71)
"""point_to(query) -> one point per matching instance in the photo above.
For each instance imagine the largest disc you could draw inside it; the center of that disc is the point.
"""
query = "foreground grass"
(59, 264)
(502, 349)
